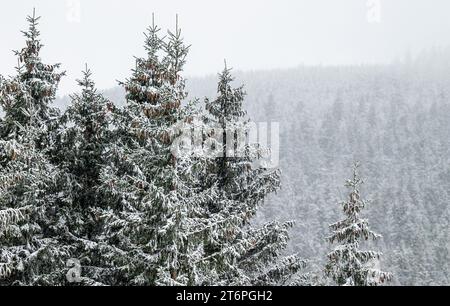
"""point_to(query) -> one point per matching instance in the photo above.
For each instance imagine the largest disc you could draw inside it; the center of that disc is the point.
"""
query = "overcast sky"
(250, 34)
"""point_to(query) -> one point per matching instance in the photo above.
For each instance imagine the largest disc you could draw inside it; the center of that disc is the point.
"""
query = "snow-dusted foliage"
(84, 140)
(101, 195)
(394, 119)
(348, 264)
(30, 93)
(152, 204)
(238, 253)
(32, 250)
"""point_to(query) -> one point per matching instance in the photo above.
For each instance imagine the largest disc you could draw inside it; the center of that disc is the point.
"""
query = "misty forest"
(93, 193)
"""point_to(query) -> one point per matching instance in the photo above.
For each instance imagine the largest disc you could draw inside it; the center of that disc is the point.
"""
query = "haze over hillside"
(252, 35)
(92, 192)
(392, 118)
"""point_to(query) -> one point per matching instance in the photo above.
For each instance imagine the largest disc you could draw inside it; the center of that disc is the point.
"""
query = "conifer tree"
(31, 252)
(10, 217)
(152, 204)
(31, 188)
(238, 253)
(31, 92)
(347, 263)
(83, 146)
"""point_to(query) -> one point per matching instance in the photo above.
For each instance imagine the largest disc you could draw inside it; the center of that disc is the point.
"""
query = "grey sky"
(251, 34)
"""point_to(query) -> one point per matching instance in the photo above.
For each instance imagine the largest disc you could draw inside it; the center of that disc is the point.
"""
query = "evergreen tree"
(347, 263)
(30, 250)
(238, 253)
(31, 188)
(152, 204)
(31, 92)
(10, 217)
(83, 146)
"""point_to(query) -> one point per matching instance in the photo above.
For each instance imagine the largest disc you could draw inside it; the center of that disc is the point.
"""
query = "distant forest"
(94, 189)
(394, 119)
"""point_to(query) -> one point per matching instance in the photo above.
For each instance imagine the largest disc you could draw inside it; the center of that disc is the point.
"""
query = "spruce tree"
(84, 142)
(32, 188)
(237, 253)
(347, 263)
(151, 202)
(31, 252)
(10, 217)
(31, 92)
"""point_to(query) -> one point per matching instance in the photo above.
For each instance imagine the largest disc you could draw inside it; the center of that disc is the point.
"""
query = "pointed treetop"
(30, 67)
(153, 28)
(228, 104)
(176, 49)
(356, 180)
(153, 43)
(87, 83)
(225, 77)
(33, 32)
(33, 46)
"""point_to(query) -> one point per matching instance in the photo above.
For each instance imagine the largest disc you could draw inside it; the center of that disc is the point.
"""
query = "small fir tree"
(347, 263)
(236, 252)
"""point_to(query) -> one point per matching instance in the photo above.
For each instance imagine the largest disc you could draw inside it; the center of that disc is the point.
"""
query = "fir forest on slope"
(90, 181)
(394, 119)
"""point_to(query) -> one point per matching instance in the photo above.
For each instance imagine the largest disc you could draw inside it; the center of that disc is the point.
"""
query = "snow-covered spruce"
(31, 251)
(30, 92)
(104, 186)
(235, 252)
(84, 139)
(347, 264)
(152, 203)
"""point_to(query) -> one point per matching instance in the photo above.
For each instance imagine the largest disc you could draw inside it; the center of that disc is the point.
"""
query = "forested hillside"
(96, 189)
(394, 119)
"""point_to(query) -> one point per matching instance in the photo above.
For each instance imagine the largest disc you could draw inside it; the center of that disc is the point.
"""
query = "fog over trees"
(394, 119)
(91, 177)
